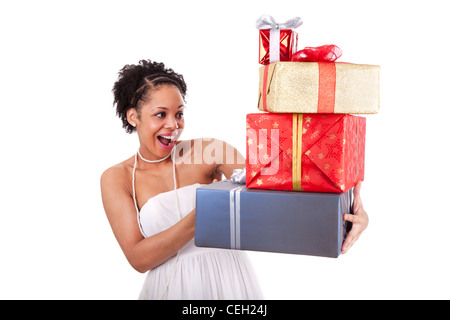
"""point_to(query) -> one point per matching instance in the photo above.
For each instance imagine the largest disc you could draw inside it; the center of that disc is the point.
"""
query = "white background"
(59, 60)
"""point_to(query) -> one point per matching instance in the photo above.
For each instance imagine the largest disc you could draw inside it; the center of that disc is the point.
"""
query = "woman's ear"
(132, 116)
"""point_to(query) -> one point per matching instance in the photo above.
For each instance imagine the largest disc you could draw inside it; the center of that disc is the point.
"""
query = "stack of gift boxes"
(305, 152)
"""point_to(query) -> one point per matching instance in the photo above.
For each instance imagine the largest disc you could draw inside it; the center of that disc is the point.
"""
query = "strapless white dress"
(195, 273)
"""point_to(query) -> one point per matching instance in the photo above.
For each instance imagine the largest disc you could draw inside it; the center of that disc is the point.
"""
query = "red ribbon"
(325, 53)
(327, 87)
(324, 56)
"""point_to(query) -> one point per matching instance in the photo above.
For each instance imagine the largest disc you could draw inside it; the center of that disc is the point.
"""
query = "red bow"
(325, 53)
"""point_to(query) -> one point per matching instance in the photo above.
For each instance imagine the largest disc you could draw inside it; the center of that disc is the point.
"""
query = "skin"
(162, 113)
(359, 218)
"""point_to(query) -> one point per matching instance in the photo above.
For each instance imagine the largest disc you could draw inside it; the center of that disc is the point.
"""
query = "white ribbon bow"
(268, 22)
(238, 176)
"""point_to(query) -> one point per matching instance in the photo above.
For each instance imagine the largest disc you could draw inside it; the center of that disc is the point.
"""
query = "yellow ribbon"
(297, 131)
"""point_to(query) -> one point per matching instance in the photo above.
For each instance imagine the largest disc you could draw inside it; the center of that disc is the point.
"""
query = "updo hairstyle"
(135, 82)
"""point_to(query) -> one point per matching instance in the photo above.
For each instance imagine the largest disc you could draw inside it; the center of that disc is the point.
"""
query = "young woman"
(158, 186)
(149, 199)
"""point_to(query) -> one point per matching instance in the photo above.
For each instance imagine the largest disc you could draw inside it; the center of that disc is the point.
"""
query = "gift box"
(319, 87)
(228, 215)
(277, 41)
(305, 152)
(285, 49)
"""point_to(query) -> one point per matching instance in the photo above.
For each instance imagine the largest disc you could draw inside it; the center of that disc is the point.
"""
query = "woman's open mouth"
(166, 141)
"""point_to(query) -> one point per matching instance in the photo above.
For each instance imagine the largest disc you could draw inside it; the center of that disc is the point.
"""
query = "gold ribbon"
(297, 131)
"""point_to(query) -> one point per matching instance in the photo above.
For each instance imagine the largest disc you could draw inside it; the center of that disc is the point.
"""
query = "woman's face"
(160, 121)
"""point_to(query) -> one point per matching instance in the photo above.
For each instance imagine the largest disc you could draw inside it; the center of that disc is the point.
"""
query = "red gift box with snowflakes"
(305, 152)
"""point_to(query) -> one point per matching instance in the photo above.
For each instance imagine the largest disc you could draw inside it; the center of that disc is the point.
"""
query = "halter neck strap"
(172, 154)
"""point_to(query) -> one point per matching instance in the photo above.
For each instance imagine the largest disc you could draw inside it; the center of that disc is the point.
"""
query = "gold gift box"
(312, 87)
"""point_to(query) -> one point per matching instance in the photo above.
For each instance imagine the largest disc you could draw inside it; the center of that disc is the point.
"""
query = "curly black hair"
(136, 81)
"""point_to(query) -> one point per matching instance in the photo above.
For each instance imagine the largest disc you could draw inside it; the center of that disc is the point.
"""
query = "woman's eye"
(180, 115)
(160, 114)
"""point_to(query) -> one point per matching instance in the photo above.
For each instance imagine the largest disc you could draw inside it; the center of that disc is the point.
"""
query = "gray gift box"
(228, 215)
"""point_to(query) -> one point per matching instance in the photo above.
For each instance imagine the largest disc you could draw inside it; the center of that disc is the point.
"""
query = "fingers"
(350, 217)
(359, 221)
(354, 233)
(360, 218)
(351, 238)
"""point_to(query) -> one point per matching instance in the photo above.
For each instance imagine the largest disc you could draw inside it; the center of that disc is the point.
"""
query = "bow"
(325, 53)
(268, 22)
(238, 176)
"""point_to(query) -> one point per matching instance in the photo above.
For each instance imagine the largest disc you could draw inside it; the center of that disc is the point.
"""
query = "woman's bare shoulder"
(118, 174)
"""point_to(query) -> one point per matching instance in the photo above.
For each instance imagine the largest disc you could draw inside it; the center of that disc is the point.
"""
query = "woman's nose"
(172, 123)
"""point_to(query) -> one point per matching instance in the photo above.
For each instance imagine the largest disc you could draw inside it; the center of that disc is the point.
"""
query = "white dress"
(195, 272)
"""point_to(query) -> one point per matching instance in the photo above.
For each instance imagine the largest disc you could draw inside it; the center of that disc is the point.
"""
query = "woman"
(150, 100)
(149, 199)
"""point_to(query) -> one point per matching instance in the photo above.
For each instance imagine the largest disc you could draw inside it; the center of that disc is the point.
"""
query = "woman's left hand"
(359, 219)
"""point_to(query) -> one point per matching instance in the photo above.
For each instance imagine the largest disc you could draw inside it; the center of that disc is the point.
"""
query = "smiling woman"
(158, 186)
(159, 121)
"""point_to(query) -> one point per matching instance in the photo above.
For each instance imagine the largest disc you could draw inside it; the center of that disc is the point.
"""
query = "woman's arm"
(142, 253)
(232, 159)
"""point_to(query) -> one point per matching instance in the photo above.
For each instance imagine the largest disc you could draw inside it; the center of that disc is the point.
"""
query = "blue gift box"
(228, 215)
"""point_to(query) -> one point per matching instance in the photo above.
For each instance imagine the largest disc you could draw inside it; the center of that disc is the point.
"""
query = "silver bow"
(238, 176)
(268, 22)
